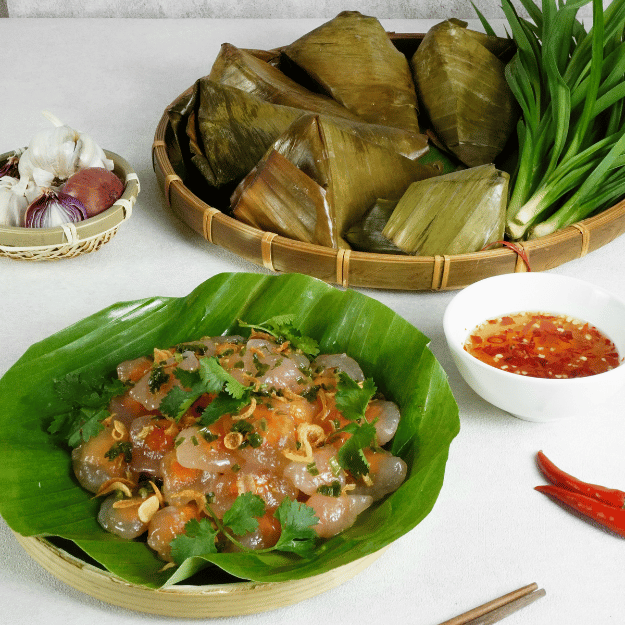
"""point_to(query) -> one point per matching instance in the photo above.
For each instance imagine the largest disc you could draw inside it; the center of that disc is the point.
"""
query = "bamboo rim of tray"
(73, 239)
(210, 601)
(363, 269)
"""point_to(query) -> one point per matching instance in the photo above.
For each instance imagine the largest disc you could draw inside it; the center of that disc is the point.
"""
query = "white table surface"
(489, 532)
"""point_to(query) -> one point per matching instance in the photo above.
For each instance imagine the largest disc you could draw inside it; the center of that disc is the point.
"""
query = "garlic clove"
(42, 177)
(12, 205)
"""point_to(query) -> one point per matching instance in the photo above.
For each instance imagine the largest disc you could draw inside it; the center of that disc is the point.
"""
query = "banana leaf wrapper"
(366, 235)
(268, 56)
(352, 59)
(232, 130)
(410, 144)
(353, 171)
(267, 201)
(40, 497)
(185, 150)
(178, 114)
(462, 87)
(455, 213)
(243, 70)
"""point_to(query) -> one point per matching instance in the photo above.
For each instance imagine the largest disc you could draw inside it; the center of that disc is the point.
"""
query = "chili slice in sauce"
(543, 345)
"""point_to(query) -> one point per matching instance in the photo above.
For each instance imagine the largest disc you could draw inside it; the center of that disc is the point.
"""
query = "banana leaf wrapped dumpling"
(353, 172)
(267, 198)
(178, 114)
(229, 130)
(352, 58)
(454, 213)
(461, 85)
(242, 69)
(366, 234)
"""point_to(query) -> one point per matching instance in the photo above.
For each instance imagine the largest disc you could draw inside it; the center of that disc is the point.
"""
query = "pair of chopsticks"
(498, 609)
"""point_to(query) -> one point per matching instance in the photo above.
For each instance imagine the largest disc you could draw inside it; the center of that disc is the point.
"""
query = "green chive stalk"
(570, 86)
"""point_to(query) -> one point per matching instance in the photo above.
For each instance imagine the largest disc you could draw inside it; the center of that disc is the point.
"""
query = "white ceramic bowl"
(536, 399)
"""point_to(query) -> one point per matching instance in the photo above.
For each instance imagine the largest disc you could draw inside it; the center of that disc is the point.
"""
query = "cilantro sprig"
(211, 378)
(231, 395)
(351, 454)
(282, 328)
(297, 520)
(85, 400)
(352, 400)
(200, 538)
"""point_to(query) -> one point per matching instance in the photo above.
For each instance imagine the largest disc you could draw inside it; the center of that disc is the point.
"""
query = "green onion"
(330, 490)
(157, 378)
(255, 440)
(312, 468)
(570, 87)
(335, 467)
(121, 448)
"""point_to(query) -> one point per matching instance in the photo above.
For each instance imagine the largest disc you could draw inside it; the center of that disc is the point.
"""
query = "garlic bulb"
(13, 205)
(54, 155)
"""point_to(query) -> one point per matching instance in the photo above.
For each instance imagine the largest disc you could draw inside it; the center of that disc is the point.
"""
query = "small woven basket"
(72, 240)
(362, 269)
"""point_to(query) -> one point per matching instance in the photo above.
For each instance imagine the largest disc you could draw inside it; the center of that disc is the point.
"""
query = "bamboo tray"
(191, 601)
(73, 239)
(362, 269)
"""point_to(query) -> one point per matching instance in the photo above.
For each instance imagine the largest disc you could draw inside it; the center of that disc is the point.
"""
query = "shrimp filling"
(178, 447)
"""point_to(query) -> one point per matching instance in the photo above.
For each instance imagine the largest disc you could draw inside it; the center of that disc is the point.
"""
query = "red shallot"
(96, 188)
(54, 208)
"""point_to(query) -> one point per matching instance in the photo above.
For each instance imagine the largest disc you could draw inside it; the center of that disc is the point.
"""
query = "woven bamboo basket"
(362, 269)
(72, 240)
(191, 601)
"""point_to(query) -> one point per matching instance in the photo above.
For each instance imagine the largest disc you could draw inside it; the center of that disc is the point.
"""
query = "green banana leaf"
(40, 496)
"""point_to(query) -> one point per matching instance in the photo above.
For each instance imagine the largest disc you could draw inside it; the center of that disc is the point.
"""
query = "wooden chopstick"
(499, 608)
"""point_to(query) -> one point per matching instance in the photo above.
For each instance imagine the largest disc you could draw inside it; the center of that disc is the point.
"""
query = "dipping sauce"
(542, 345)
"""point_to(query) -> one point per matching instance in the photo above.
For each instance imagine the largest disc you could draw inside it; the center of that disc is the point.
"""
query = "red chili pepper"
(599, 511)
(610, 496)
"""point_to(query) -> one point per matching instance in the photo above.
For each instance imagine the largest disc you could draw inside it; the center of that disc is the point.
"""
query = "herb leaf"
(86, 400)
(198, 540)
(351, 398)
(221, 405)
(189, 379)
(177, 402)
(212, 378)
(350, 455)
(241, 518)
(296, 520)
(86, 426)
(216, 378)
(93, 392)
(282, 328)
